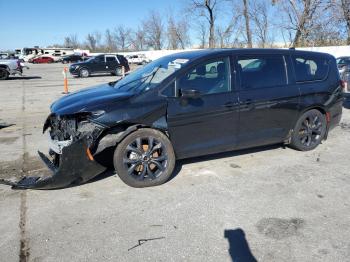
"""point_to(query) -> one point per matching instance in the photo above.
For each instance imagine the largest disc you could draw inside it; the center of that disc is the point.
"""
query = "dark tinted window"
(209, 78)
(169, 91)
(122, 59)
(343, 60)
(262, 71)
(309, 68)
(110, 58)
(99, 58)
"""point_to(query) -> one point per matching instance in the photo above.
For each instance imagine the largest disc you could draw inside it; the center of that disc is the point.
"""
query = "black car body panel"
(88, 99)
(213, 122)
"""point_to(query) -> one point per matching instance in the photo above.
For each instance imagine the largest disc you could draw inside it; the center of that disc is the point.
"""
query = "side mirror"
(190, 93)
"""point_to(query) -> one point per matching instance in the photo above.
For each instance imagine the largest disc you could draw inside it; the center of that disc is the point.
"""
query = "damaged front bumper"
(75, 165)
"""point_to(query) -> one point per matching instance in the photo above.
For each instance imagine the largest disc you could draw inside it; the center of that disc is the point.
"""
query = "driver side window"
(99, 59)
(210, 77)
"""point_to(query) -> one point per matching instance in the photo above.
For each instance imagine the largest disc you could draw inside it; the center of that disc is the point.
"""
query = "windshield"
(152, 74)
(343, 60)
(90, 59)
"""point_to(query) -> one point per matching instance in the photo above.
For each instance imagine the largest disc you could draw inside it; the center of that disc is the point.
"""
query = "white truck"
(10, 67)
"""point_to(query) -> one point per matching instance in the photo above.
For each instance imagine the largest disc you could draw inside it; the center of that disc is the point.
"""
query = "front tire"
(309, 131)
(3, 74)
(84, 72)
(144, 158)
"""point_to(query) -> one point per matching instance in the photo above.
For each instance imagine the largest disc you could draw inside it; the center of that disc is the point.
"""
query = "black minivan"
(190, 104)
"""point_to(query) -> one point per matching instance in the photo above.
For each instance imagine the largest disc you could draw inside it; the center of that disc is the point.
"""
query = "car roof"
(192, 55)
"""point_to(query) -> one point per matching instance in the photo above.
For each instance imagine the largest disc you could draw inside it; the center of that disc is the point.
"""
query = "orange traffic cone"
(65, 81)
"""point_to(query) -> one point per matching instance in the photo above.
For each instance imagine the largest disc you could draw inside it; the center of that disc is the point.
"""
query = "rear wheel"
(84, 72)
(309, 130)
(118, 71)
(144, 158)
(3, 74)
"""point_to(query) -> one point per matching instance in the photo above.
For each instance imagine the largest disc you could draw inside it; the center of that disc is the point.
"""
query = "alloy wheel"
(84, 72)
(145, 158)
(310, 130)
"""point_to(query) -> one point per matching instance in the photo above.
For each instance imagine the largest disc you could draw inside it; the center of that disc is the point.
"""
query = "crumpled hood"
(88, 99)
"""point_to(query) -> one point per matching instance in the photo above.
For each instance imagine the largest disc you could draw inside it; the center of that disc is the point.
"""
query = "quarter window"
(310, 68)
(209, 78)
(262, 71)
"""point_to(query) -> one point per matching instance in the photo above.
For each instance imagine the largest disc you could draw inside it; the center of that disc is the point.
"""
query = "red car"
(42, 60)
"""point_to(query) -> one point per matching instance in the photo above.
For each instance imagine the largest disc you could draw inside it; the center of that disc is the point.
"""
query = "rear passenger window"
(310, 68)
(262, 71)
(110, 58)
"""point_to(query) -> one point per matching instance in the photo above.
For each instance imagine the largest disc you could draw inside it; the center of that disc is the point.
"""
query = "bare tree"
(260, 17)
(228, 36)
(110, 41)
(71, 41)
(202, 35)
(247, 23)
(345, 5)
(300, 16)
(206, 9)
(177, 33)
(123, 37)
(153, 29)
(91, 42)
(138, 40)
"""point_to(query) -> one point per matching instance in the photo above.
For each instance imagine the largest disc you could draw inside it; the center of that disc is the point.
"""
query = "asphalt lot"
(267, 204)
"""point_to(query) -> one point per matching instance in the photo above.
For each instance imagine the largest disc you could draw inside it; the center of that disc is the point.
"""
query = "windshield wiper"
(138, 79)
(144, 79)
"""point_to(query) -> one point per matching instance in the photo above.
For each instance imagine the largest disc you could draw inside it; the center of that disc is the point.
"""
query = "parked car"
(343, 62)
(74, 59)
(10, 67)
(4, 55)
(140, 59)
(178, 107)
(100, 64)
(42, 60)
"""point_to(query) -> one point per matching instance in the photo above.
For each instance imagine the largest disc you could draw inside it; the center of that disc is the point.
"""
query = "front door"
(269, 100)
(100, 64)
(207, 123)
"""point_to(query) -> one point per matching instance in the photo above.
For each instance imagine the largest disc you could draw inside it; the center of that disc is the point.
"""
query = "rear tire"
(118, 71)
(144, 158)
(309, 131)
(84, 72)
(4, 74)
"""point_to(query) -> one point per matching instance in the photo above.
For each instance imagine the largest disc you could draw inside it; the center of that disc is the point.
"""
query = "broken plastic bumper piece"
(75, 166)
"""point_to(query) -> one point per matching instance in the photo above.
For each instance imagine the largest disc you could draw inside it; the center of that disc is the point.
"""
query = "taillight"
(343, 84)
(328, 117)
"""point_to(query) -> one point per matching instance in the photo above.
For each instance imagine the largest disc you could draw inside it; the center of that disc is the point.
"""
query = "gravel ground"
(265, 204)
